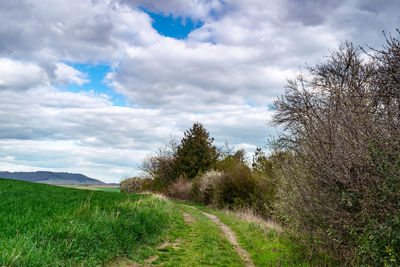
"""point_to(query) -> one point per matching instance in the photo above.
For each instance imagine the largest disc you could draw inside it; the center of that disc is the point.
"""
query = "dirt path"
(231, 236)
(168, 251)
(187, 218)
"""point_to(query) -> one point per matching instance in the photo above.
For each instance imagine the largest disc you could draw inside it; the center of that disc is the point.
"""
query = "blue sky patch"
(96, 74)
(171, 26)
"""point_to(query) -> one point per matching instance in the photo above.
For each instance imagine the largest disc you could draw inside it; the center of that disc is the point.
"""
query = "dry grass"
(249, 216)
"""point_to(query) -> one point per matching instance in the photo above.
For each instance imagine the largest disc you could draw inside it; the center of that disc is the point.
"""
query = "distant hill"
(54, 178)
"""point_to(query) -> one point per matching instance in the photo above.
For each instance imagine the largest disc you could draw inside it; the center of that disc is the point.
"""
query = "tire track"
(231, 236)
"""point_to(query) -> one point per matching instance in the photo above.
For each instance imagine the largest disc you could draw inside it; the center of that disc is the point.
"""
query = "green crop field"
(44, 225)
(109, 189)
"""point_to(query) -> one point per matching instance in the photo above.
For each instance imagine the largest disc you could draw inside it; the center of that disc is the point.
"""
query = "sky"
(94, 86)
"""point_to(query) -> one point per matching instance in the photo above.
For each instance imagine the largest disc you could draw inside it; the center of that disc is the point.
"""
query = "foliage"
(261, 164)
(193, 155)
(235, 188)
(341, 170)
(379, 244)
(196, 152)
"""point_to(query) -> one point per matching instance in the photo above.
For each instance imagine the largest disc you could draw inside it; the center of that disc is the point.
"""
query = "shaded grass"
(44, 225)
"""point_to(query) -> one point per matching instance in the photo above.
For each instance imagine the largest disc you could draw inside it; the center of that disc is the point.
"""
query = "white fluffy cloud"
(20, 75)
(68, 75)
(223, 74)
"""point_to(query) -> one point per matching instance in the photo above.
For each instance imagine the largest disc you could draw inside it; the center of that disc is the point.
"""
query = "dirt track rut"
(232, 238)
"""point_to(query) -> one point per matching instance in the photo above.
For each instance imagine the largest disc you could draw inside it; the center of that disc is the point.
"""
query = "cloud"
(84, 132)
(68, 75)
(197, 9)
(223, 74)
(20, 75)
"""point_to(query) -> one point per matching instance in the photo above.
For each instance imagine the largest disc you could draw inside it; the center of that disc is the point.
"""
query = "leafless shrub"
(342, 138)
(160, 167)
(136, 185)
(180, 189)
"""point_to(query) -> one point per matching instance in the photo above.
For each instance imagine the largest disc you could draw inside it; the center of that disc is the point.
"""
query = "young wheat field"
(44, 225)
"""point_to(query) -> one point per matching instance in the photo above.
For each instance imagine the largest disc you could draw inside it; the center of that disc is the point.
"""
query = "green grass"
(93, 187)
(198, 244)
(106, 189)
(44, 225)
(268, 247)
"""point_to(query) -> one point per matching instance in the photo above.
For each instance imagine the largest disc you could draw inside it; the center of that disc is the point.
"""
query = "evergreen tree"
(196, 153)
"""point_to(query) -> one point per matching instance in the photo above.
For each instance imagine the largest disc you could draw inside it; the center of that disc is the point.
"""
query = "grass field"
(94, 187)
(44, 225)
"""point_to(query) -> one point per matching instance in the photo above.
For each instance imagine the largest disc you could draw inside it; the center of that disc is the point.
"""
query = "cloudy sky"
(93, 86)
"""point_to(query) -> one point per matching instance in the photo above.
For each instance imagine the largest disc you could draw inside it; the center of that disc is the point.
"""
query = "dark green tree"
(196, 152)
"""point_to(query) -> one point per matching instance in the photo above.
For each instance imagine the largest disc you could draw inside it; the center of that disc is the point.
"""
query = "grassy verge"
(44, 225)
(266, 245)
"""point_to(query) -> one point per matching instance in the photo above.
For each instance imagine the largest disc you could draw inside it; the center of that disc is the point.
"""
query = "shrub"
(341, 179)
(235, 188)
(136, 185)
(204, 187)
(264, 195)
(379, 244)
(162, 166)
(180, 189)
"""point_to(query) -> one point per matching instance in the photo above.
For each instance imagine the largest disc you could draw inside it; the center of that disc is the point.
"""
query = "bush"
(181, 189)
(204, 187)
(340, 181)
(136, 185)
(379, 244)
(161, 167)
(235, 188)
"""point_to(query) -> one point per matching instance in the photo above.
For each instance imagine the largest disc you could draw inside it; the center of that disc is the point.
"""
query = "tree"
(196, 152)
(161, 166)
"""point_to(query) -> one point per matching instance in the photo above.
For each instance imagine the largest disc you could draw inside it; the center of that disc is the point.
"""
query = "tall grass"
(43, 225)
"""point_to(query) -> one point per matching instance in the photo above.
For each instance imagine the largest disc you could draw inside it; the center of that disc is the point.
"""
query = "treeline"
(333, 174)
